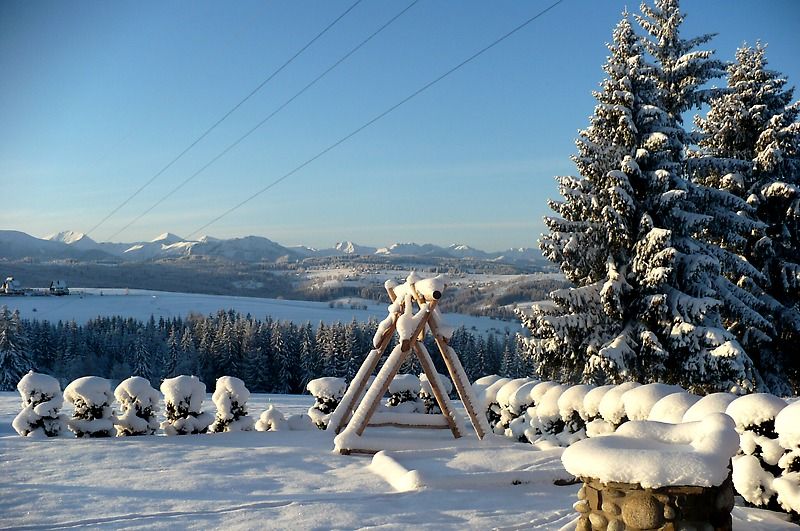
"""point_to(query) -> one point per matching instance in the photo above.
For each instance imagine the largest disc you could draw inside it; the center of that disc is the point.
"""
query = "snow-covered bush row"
(41, 400)
(327, 393)
(139, 402)
(92, 398)
(766, 471)
(138, 407)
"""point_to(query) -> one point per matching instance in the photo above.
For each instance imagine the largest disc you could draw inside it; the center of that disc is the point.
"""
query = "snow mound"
(504, 393)
(713, 403)
(301, 422)
(271, 420)
(654, 454)
(672, 407)
(753, 410)
(639, 401)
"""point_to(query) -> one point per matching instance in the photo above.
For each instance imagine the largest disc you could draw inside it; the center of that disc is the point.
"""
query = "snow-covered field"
(279, 480)
(87, 303)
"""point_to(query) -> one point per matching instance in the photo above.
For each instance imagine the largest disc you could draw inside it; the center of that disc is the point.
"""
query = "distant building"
(59, 287)
(12, 287)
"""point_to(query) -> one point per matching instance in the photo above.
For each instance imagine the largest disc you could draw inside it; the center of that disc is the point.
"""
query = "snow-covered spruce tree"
(230, 397)
(14, 360)
(41, 401)
(138, 401)
(738, 140)
(92, 398)
(646, 302)
(183, 400)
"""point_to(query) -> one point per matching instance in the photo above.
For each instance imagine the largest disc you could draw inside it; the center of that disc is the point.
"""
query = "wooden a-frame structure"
(359, 404)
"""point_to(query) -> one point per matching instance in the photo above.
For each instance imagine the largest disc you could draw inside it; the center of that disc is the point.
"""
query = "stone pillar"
(629, 507)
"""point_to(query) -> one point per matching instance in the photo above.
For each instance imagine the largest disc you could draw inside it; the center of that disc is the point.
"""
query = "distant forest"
(270, 356)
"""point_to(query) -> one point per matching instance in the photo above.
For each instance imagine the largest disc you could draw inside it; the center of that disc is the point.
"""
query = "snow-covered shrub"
(271, 420)
(640, 400)
(612, 408)
(230, 397)
(93, 416)
(591, 402)
(517, 411)
(503, 397)
(539, 390)
(570, 408)
(183, 399)
(672, 407)
(41, 400)
(404, 394)
(713, 403)
(488, 398)
(479, 385)
(327, 393)
(300, 422)
(787, 486)
(549, 420)
(755, 469)
(138, 401)
(426, 392)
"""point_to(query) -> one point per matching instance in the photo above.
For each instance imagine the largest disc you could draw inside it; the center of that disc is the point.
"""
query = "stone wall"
(624, 506)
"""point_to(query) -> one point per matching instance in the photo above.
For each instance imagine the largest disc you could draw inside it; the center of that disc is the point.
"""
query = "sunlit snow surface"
(258, 480)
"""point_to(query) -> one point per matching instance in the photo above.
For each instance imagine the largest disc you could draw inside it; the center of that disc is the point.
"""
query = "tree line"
(269, 355)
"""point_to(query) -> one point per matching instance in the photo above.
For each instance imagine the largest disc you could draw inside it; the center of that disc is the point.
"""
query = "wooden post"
(350, 400)
(438, 393)
(455, 369)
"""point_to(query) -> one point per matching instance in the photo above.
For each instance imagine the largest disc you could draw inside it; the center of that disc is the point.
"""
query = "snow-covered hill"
(87, 303)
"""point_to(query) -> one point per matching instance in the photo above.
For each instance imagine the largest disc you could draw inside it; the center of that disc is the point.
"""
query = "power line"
(266, 119)
(225, 116)
(378, 117)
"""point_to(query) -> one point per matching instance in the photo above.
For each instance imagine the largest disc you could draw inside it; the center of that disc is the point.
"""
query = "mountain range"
(70, 245)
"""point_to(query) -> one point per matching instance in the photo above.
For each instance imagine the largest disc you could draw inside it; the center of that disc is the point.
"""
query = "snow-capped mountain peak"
(70, 237)
(167, 239)
(348, 247)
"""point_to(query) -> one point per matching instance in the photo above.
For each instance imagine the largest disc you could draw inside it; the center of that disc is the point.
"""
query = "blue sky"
(96, 97)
